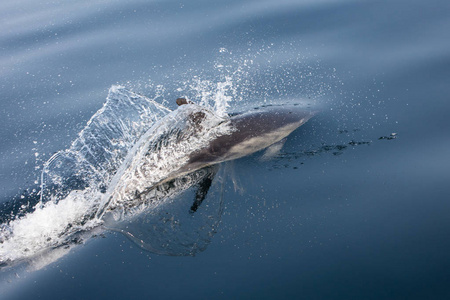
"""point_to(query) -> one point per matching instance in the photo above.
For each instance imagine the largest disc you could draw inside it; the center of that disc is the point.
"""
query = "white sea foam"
(46, 227)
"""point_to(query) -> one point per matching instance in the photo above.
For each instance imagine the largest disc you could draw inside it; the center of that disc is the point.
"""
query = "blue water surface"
(356, 204)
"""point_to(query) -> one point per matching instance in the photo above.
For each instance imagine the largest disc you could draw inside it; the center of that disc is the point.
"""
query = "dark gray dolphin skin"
(252, 131)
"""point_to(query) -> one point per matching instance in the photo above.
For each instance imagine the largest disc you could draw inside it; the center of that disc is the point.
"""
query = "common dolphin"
(192, 138)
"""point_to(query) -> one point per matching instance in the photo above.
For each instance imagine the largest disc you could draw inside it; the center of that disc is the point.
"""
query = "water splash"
(101, 146)
(258, 75)
(130, 145)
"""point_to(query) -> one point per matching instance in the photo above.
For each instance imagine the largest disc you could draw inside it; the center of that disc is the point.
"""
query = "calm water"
(338, 214)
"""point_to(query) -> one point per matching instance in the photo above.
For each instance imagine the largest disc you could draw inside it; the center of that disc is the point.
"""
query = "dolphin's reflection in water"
(184, 224)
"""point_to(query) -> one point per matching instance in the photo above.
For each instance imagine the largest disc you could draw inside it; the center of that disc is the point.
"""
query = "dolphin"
(155, 161)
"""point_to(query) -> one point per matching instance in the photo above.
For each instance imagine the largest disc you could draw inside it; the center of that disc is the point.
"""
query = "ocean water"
(354, 205)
